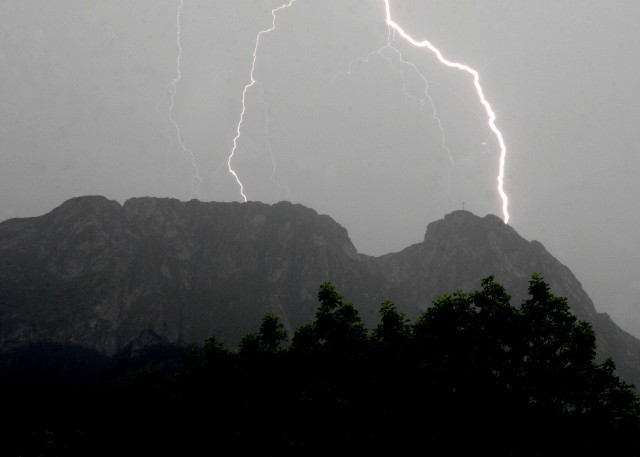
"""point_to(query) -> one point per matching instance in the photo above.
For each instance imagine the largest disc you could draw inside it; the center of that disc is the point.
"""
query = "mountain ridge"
(103, 275)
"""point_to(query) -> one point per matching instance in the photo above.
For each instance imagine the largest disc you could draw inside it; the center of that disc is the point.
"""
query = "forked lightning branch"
(397, 31)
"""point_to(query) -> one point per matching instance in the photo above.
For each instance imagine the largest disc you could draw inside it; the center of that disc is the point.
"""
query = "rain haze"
(127, 99)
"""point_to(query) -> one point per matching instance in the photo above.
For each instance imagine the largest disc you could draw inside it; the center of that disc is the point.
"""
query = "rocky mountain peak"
(462, 248)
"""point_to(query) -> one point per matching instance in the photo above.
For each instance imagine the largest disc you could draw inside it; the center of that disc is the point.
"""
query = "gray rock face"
(99, 274)
(461, 249)
(104, 275)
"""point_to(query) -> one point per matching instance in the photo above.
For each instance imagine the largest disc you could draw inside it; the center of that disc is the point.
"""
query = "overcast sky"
(336, 120)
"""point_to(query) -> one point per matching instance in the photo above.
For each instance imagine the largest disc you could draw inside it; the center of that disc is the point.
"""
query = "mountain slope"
(108, 276)
(99, 274)
(461, 249)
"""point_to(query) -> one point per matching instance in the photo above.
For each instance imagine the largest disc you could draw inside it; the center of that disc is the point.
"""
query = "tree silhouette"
(472, 374)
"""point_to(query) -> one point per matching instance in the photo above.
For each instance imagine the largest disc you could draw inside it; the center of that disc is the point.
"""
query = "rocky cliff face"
(99, 274)
(461, 249)
(105, 275)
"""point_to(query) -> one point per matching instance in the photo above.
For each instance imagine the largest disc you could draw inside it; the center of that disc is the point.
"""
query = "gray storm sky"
(86, 89)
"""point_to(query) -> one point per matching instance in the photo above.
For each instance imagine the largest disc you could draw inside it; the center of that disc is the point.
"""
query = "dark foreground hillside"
(472, 374)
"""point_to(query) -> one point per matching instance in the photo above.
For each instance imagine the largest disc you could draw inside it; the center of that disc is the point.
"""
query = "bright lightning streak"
(251, 83)
(420, 44)
(476, 82)
(196, 180)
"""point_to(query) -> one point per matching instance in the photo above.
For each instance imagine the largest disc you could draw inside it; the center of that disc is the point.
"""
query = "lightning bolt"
(397, 29)
(434, 116)
(422, 102)
(476, 82)
(251, 83)
(195, 180)
(272, 176)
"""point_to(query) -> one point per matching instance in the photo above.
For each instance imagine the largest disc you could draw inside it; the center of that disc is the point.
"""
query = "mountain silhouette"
(106, 276)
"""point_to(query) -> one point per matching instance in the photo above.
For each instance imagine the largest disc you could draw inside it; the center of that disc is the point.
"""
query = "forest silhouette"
(473, 373)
